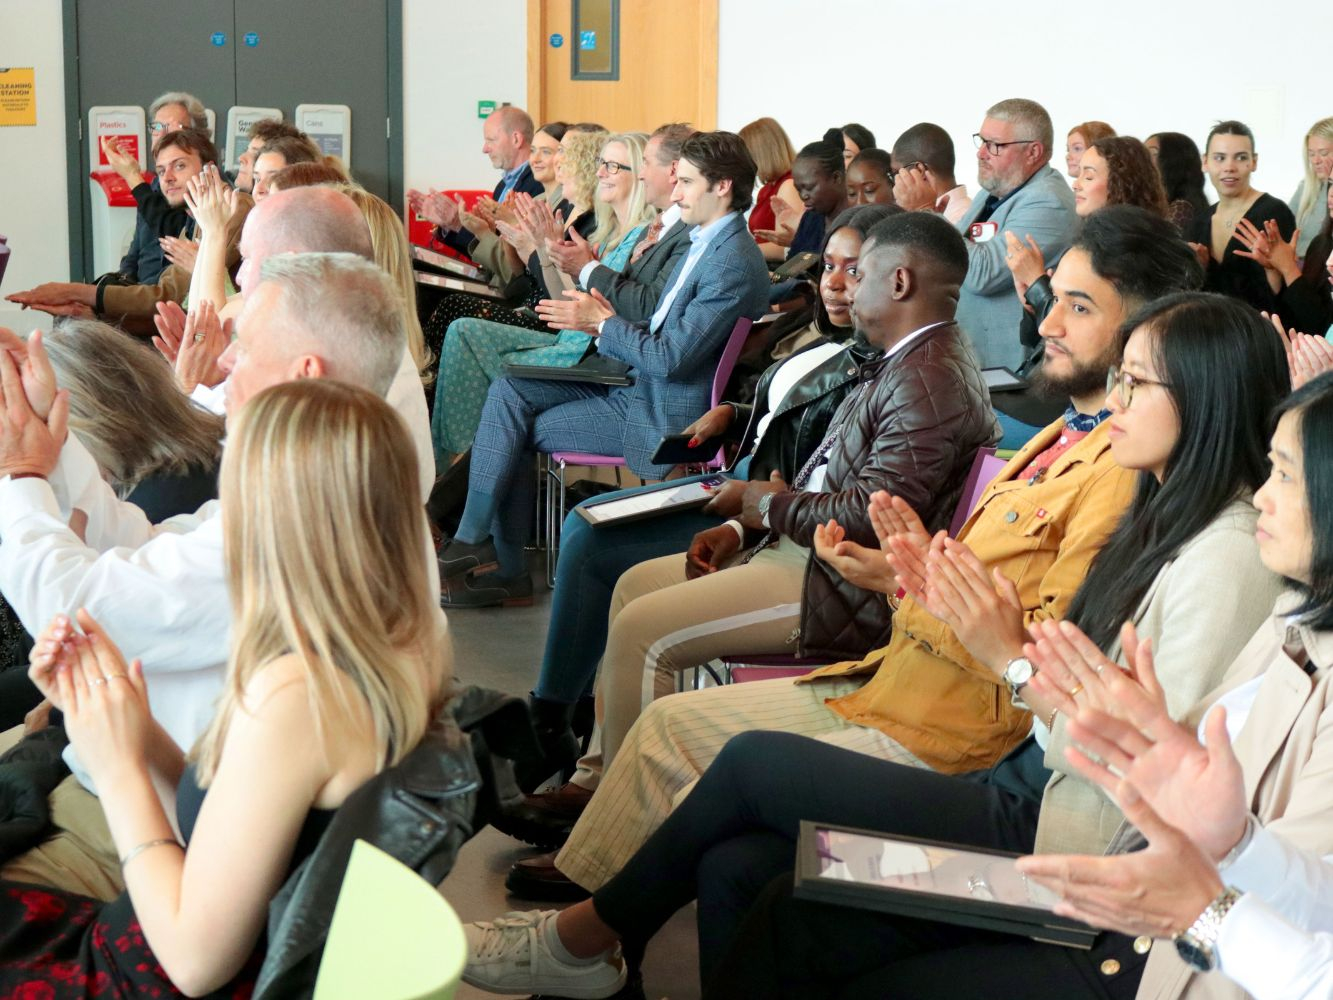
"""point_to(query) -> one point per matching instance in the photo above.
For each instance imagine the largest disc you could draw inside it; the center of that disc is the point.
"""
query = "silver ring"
(99, 680)
(199, 337)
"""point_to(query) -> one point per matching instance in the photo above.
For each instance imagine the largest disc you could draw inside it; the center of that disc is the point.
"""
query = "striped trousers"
(673, 743)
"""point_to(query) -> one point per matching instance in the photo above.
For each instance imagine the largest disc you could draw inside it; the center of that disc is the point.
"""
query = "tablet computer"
(1002, 380)
(595, 368)
(444, 262)
(929, 880)
(651, 502)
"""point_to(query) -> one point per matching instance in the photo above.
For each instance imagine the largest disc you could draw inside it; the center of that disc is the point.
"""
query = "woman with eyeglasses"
(473, 352)
(1189, 408)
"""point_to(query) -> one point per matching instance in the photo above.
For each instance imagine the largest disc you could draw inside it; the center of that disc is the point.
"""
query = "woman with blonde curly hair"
(336, 673)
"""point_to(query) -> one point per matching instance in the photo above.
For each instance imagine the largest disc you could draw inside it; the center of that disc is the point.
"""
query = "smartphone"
(982, 232)
(527, 312)
(675, 449)
(795, 266)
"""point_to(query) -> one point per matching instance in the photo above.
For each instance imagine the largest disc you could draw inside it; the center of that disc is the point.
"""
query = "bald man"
(507, 141)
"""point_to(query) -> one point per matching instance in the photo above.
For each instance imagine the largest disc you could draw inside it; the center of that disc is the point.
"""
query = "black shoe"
(458, 557)
(539, 880)
(489, 590)
(560, 745)
(632, 990)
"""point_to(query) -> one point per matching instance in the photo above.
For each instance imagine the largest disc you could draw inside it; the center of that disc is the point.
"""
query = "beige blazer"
(1286, 750)
(1199, 612)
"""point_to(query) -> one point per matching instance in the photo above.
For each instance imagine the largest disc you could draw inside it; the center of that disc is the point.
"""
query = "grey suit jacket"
(988, 308)
(635, 292)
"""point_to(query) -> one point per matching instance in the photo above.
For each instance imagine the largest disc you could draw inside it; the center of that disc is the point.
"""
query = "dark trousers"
(793, 948)
(737, 829)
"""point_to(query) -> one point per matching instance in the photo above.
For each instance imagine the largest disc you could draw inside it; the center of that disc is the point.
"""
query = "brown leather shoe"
(538, 879)
(543, 820)
(565, 804)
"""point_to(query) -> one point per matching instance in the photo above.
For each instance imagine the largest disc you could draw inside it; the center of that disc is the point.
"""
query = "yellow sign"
(18, 97)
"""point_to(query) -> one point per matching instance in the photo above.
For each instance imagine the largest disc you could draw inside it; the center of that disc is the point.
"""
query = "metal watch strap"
(1201, 937)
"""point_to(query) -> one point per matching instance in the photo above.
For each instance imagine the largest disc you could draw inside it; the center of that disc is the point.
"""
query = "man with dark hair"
(507, 141)
(923, 164)
(633, 293)
(1025, 196)
(673, 355)
(926, 697)
(178, 155)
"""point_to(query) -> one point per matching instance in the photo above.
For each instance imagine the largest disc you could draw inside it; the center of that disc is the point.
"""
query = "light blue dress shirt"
(700, 237)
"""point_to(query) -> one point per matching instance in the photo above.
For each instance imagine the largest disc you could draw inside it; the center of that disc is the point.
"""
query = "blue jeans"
(591, 561)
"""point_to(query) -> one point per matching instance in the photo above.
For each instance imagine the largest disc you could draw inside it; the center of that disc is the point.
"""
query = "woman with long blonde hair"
(1308, 204)
(336, 673)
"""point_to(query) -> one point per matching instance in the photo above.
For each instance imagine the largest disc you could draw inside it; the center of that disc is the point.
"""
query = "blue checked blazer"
(674, 367)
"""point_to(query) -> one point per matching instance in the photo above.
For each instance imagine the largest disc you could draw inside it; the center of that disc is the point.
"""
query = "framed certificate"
(929, 880)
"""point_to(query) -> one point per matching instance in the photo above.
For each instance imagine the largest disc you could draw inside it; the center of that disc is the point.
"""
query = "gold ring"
(1076, 690)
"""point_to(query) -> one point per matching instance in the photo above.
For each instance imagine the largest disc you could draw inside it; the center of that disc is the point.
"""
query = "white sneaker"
(509, 955)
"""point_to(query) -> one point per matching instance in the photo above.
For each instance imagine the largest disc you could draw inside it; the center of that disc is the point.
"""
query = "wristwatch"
(765, 502)
(1017, 672)
(1197, 946)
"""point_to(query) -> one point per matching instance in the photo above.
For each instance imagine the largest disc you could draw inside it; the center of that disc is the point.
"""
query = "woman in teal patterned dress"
(474, 350)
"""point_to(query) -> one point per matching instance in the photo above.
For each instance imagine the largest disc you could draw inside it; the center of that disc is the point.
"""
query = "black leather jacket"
(802, 418)
(420, 812)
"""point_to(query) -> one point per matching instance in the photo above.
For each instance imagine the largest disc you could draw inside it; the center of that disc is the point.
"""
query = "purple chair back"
(985, 467)
(727, 363)
(4, 257)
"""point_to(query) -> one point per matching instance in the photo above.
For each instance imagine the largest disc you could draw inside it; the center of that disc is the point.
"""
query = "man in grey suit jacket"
(1027, 198)
(674, 354)
(633, 293)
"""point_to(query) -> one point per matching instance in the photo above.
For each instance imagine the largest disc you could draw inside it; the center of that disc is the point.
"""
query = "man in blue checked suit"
(674, 355)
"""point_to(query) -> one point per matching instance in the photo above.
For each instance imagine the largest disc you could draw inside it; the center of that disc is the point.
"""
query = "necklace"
(1229, 221)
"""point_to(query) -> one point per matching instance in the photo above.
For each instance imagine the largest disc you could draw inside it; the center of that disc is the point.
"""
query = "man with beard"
(1039, 523)
(1021, 194)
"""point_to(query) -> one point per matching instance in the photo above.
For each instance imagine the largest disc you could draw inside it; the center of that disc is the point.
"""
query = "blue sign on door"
(251, 38)
(587, 40)
(218, 38)
(557, 41)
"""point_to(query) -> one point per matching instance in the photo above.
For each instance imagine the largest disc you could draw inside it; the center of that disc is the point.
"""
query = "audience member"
(870, 178)
(673, 357)
(1234, 831)
(284, 151)
(1079, 138)
(506, 141)
(144, 260)
(851, 139)
(1181, 166)
(305, 175)
(1308, 203)
(1230, 159)
(916, 700)
(475, 351)
(773, 154)
(923, 165)
(736, 831)
(790, 416)
(1024, 196)
(180, 156)
(161, 588)
(821, 182)
(335, 705)
(261, 133)
(1303, 295)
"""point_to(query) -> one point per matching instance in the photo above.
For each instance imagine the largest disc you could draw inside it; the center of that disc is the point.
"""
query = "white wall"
(1142, 65)
(454, 55)
(32, 177)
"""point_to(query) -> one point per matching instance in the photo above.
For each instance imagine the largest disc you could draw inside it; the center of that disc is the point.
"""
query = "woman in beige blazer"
(1232, 867)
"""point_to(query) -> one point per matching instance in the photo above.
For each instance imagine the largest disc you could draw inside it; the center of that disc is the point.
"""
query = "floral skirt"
(60, 946)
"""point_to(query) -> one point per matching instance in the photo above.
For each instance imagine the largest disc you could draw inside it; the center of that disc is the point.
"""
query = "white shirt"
(953, 204)
(160, 591)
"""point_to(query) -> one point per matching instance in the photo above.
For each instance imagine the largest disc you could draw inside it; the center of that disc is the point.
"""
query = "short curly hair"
(579, 153)
(1132, 177)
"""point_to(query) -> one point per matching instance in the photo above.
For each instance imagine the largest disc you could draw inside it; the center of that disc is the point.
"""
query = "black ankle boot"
(560, 747)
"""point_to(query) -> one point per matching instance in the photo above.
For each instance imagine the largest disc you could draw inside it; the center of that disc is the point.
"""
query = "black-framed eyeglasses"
(1124, 384)
(612, 167)
(993, 146)
(157, 127)
(893, 174)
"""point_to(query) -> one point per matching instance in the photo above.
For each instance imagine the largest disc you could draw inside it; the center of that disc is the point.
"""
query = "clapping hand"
(983, 608)
(786, 220)
(210, 200)
(34, 367)
(435, 206)
(179, 251)
(903, 539)
(57, 298)
(860, 566)
(29, 444)
(1307, 356)
(576, 310)
(571, 255)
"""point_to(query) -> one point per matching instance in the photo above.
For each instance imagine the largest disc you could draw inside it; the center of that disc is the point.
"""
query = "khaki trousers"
(672, 744)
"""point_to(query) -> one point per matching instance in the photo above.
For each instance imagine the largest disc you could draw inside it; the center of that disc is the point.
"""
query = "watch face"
(1019, 672)
(1194, 954)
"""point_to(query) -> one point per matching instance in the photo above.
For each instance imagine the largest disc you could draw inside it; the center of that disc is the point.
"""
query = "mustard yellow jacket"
(925, 690)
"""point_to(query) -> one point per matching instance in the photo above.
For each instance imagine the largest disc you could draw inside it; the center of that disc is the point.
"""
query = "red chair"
(554, 465)
(985, 466)
(421, 232)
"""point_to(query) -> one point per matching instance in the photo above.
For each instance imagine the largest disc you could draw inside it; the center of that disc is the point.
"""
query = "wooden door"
(667, 66)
